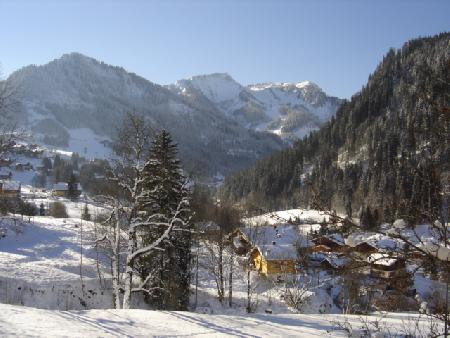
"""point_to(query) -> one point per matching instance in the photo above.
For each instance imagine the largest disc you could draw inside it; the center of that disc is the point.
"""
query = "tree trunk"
(115, 282)
(249, 308)
(116, 262)
(196, 275)
(221, 279)
(230, 285)
(129, 268)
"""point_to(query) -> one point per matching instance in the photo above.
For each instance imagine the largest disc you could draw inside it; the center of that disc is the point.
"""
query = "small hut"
(10, 189)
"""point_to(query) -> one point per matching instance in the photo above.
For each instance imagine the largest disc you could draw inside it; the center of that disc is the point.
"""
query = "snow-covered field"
(40, 260)
(30, 322)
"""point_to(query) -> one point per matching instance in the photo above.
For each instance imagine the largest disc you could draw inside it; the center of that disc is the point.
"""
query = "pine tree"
(72, 186)
(86, 216)
(41, 209)
(164, 189)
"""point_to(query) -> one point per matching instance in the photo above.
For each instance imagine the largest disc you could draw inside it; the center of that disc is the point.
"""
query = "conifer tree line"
(148, 232)
(384, 155)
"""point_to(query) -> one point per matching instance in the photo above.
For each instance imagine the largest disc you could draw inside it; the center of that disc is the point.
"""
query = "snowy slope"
(47, 249)
(310, 218)
(290, 110)
(29, 322)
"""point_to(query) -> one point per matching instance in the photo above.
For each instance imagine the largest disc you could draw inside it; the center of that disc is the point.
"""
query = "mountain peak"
(219, 76)
(217, 87)
(283, 85)
(76, 57)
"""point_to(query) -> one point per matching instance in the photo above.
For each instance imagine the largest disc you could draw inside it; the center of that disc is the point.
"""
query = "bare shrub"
(296, 296)
(58, 210)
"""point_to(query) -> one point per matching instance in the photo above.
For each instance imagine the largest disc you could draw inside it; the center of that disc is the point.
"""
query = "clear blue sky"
(334, 43)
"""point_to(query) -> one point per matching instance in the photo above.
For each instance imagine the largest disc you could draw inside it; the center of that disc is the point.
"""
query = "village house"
(386, 267)
(5, 162)
(23, 166)
(275, 250)
(62, 189)
(273, 259)
(10, 189)
(239, 242)
(364, 249)
(5, 174)
(331, 243)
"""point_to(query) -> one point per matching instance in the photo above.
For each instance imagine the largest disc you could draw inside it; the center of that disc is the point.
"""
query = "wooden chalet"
(5, 174)
(276, 251)
(366, 248)
(23, 166)
(334, 243)
(10, 189)
(239, 242)
(62, 189)
(5, 162)
(274, 260)
(383, 266)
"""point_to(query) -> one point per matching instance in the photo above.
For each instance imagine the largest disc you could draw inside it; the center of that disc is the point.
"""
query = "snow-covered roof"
(376, 240)
(281, 234)
(278, 241)
(10, 185)
(381, 259)
(4, 172)
(278, 252)
(336, 261)
(62, 186)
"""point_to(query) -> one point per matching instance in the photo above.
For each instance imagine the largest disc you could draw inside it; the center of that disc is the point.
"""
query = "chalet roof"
(334, 260)
(62, 186)
(330, 240)
(278, 252)
(376, 240)
(10, 185)
(381, 259)
(281, 234)
(365, 247)
(337, 238)
(4, 172)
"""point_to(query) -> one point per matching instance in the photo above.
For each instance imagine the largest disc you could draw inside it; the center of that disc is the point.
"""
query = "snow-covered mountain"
(290, 110)
(76, 103)
(77, 99)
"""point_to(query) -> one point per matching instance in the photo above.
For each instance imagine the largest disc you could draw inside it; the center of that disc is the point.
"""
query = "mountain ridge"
(79, 92)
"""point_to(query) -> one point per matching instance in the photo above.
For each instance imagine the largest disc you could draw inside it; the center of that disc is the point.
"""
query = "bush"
(101, 218)
(17, 206)
(58, 210)
(27, 209)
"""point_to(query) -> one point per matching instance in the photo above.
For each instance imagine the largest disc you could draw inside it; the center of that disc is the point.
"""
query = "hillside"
(77, 95)
(76, 103)
(386, 149)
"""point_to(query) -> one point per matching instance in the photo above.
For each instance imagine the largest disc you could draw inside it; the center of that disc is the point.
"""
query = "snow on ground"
(29, 322)
(309, 217)
(47, 249)
(88, 144)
